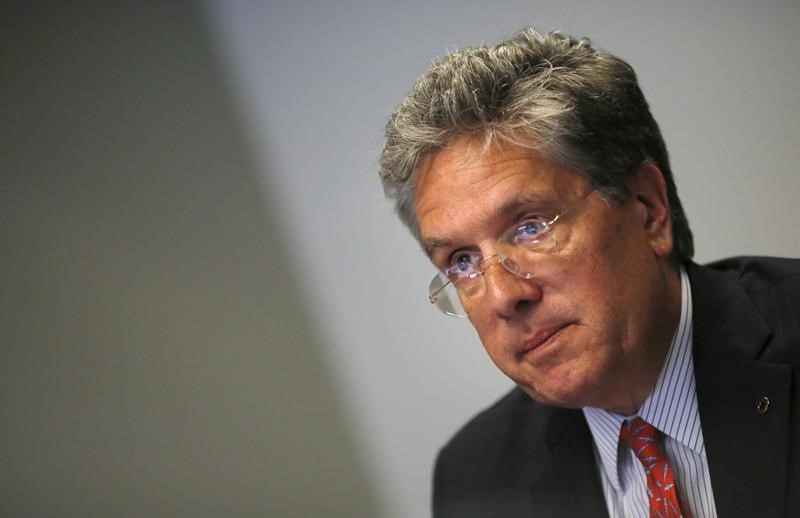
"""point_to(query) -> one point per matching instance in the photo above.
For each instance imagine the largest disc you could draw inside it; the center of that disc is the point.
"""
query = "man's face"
(592, 327)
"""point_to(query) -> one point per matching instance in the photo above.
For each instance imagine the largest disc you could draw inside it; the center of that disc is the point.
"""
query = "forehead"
(465, 183)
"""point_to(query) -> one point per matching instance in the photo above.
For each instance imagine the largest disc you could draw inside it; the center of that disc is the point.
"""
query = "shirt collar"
(671, 407)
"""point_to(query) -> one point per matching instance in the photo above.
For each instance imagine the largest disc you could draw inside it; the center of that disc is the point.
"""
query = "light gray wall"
(155, 356)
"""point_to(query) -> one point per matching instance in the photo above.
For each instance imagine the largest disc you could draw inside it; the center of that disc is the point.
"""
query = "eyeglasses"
(458, 289)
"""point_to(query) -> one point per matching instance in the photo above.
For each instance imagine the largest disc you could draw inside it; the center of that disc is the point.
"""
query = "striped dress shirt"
(672, 408)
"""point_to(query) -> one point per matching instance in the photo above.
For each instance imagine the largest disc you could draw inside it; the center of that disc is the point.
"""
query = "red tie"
(661, 489)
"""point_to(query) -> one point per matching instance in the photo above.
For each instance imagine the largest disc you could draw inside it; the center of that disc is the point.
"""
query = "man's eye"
(530, 231)
(462, 264)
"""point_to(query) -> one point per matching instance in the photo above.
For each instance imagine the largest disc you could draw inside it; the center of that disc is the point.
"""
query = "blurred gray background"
(208, 308)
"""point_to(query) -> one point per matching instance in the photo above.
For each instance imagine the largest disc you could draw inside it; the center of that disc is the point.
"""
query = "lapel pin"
(762, 406)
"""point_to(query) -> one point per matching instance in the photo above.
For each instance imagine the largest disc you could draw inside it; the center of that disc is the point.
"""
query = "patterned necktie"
(661, 490)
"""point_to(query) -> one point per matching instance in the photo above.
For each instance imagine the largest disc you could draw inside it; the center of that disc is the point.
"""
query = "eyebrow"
(432, 243)
(523, 198)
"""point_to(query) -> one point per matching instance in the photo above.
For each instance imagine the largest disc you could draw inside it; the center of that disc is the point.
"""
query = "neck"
(648, 365)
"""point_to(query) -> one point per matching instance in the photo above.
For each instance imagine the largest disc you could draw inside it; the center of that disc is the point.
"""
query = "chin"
(561, 391)
(558, 399)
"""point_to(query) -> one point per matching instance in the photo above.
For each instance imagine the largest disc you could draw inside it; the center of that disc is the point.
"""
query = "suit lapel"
(745, 445)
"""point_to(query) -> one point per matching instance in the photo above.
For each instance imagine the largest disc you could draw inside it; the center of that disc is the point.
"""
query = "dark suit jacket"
(520, 458)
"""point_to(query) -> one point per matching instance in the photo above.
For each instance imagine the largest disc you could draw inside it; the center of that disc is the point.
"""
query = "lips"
(543, 337)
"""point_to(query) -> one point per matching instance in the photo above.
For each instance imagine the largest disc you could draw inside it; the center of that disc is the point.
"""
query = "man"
(537, 180)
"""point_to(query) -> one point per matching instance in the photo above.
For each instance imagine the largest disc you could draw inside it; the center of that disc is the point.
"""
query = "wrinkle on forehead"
(450, 169)
(466, 153)
(452, 165)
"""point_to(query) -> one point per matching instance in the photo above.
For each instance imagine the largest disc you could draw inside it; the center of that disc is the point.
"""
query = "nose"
(507, 294)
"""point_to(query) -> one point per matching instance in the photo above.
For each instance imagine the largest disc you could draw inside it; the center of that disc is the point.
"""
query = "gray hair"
(572, 104)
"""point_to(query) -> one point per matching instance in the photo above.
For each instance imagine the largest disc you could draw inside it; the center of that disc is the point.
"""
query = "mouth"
(543, 338)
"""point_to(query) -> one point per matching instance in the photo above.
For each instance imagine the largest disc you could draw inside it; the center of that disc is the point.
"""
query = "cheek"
(593, 284)
(615, 259)
(496, 342)
(488, 332)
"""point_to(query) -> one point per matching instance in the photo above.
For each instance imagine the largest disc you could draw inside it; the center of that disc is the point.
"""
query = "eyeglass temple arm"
(571, 205)
(433, 297)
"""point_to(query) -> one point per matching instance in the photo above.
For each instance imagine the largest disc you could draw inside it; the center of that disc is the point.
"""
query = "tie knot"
(643, 439)
(637, 428)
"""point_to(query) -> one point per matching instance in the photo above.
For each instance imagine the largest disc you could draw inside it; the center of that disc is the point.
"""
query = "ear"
(650, 193)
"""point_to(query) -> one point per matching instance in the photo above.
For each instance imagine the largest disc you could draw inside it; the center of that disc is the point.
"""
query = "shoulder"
(757, 297)
(765, 281)
(771, 283)
(504, 461)
(492, 428)
(511, 436)
(478, 471)
(759, 273)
